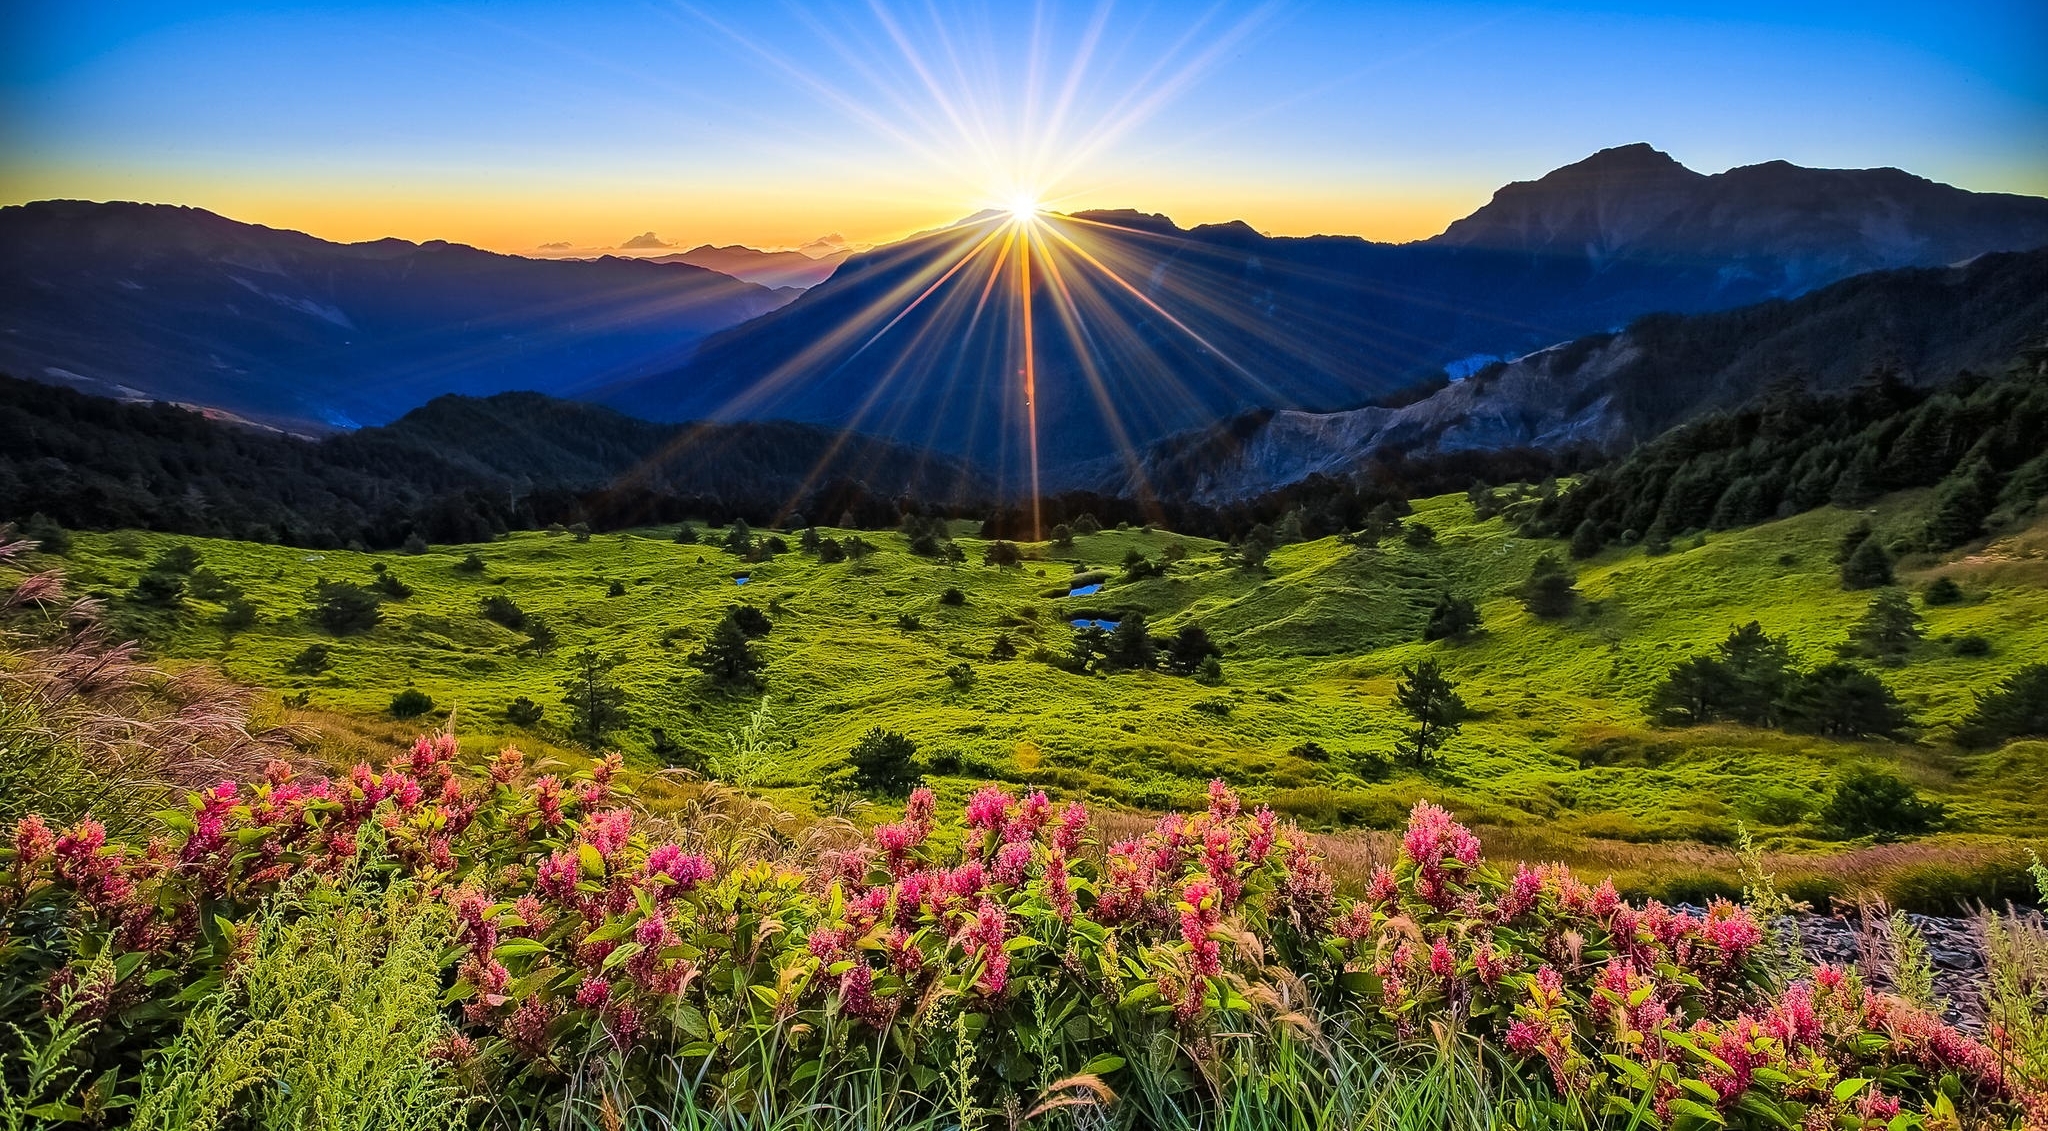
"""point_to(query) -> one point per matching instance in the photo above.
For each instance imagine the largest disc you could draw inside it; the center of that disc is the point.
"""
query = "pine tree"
(1889, 627)
(1868, 567)
(1189, 647)
(597, 704)
(1960, 506)
(1844, 701)
(1550, 592)
(1585, 540)
(1696, 691)
(728, 657)
(1432, 702)
(1130, 645)
(740, 539)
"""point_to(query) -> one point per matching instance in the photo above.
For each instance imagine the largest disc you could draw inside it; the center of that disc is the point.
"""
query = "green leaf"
(1849, 1087)
(1102, 1065)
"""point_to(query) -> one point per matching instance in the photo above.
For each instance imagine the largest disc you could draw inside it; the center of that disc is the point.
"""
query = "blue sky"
(514, 124)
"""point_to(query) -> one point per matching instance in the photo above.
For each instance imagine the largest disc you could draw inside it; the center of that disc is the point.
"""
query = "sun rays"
(949, 333)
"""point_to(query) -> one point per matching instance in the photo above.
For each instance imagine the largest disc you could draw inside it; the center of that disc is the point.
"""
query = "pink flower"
(1442, 962)
(1223, 804)
(33, 844)
(608, 832)
(557, 876)
(547, 798)
(1013, 863)
(1067, 831)
(918, 811)
(676, 871)
(506, 767)
(592, 992)
(988, 808)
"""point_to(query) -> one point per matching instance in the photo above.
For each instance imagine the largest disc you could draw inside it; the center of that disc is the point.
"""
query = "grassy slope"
(1313, 649)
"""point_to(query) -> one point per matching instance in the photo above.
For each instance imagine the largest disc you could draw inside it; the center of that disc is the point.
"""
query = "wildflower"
(557, 876)
(33, 844)
(987, 809)
(1067, 831)
(1198, 919)
(506, 767)
(1031, 816)
(919, 810)
(1223, 804)
(593, 992)
(671, 871)
(982, 939)
(527, 1028)
(608, 832)
(1013, 863)
(857, 996)
(1059, 889)
(1384, 889)
(1442, 962)
(547, 798)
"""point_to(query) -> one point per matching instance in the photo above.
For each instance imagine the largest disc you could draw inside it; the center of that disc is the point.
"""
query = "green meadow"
(1558, 744)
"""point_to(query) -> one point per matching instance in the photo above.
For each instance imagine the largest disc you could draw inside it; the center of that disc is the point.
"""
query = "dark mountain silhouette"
(772, 269)
(182, 305)
(1606, 392)
(1220, 319)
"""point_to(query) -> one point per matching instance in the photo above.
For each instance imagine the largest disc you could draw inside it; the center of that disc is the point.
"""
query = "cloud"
(558, 245)
(644, 241)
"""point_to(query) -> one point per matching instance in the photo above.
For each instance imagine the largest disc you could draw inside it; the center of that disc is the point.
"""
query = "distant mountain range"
(773, 269)
(278, 327)
(1145, 335)
(1605, 392)
(1200, 324)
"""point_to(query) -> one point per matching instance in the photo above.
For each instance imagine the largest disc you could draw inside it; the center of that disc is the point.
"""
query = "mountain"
(179, 304)
(772, 269)
(1143, 329)
(1608, 391)
(457, 469)
(1787, 227)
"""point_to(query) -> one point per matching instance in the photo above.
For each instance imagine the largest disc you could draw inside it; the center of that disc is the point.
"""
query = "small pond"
(1085, 590)
(1085, 622)
(740, 580)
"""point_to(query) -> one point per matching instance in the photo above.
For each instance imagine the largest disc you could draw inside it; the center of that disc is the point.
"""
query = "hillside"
(179, 304)
(458, 468)
(1311, 649)
(1603, 393)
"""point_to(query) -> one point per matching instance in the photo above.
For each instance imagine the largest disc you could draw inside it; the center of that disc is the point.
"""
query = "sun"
(1022, 206)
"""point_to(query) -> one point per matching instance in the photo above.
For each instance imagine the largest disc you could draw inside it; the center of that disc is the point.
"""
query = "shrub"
(472, 563)
(1004, 647)
(414, 545)
(237, 614)
(161, 588)
(1889, 627)
(952, 597)
(1868, 801)
(884, 762)
(615, 589)
(411, 703)
(503, 610)
(1001, 554)
(728, 657)
(686, 535)
(2017, 707)
(962, 675)
(206, 585)
(389, 585)
(48, 536)
(312, 661)
(908, 622)
(1941, 591)
(1586, 540)
(1453, 617)
(523, 712)
(1868, 566)
(176, 559)
(1971, 645)
(344, 609)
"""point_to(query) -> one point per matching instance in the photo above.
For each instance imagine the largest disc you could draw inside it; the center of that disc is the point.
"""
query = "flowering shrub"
(576, 942)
